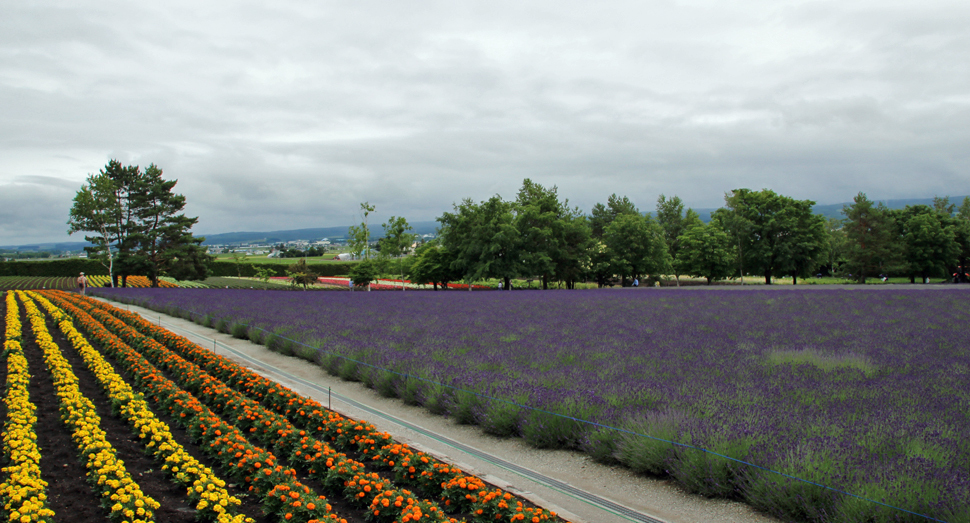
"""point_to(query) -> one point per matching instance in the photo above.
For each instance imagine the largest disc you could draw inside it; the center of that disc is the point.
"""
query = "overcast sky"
(284, 115)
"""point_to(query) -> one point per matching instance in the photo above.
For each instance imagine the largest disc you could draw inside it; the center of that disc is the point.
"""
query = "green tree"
(738, 228)
(190, 261)
(300, 274)
(870, 238)
(238, 258)
(432, 264)
(635, 247)
(809, 241)
(837, 245)
(96, 209)
(163, 232)
(603, 215)
(674, 222)
(705, 252)
(397, 241)
(359, 236)
(483, 239)
(783, 236)
(574, 255)
(146, 233)
(363, 273)
(929, 239)
(537, 221)
(263, 272)
(962, 232)
(554, 238)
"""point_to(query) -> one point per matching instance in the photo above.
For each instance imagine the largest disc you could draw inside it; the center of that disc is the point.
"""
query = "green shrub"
(386, 383)
(601, 446)
(465, 406)
(501, 419)
(409, 390)
(436, 398)
(349, 370)
(647, 448)
(546, 430)
(240, 330)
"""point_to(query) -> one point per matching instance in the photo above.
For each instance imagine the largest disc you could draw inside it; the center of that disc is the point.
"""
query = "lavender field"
(863, 391)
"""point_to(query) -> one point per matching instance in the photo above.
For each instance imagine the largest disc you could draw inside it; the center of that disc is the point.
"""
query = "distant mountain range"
(426, 227)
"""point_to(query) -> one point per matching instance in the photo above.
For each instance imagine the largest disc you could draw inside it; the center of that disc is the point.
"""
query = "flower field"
(37, 282)
(815, 404)
(161, 430)
(70, 283)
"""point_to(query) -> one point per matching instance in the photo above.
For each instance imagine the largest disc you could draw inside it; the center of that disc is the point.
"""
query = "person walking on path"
(82, 282)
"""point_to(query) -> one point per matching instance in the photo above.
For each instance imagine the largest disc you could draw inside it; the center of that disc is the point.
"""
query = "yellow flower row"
(99, 280)
(22, 492)
(203, 485)
(119, 492)
(12, 331)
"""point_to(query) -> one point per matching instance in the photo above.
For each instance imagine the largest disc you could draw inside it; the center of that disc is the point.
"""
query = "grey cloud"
(290, 114)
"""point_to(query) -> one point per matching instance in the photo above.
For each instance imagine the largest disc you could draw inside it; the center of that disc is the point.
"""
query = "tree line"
(539, 235)
(137, 228)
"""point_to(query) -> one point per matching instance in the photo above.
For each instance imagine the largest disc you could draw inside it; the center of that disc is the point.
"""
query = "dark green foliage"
(432, 264)
(705, 251)
(554, 238)
(137, 224)
(483, 239)
(386, 383)
(69, 267)
(240, 330)
(871, 246)
(635, 247)
(928, 238)
(501, 419)
(300, 274)
(545, 430)
(674, 223)
(776, 235)
(465, 407)
(603, 215)
(228, 268)
(363, 273)
(409, 390)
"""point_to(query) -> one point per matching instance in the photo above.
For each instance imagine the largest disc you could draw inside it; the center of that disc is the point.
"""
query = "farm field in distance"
(863, 391)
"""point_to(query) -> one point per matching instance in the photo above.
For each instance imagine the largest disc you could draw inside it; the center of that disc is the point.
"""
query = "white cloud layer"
(288, 114)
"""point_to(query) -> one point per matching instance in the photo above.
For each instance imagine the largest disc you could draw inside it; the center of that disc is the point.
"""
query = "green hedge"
(60, 267)
(228, 268)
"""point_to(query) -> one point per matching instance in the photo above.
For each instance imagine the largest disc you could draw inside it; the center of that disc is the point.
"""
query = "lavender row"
(862, 391)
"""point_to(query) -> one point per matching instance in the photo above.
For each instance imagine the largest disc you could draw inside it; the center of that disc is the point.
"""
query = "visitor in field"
(636, 282)
(82, 282)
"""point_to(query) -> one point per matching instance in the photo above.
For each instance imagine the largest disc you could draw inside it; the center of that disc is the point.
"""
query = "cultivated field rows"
(242, 449)
(810, 405)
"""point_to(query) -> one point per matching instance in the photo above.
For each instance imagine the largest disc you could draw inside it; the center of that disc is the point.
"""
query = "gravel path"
(658, 499)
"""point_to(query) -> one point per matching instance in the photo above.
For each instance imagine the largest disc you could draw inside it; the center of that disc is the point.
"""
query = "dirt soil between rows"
(659, 499)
